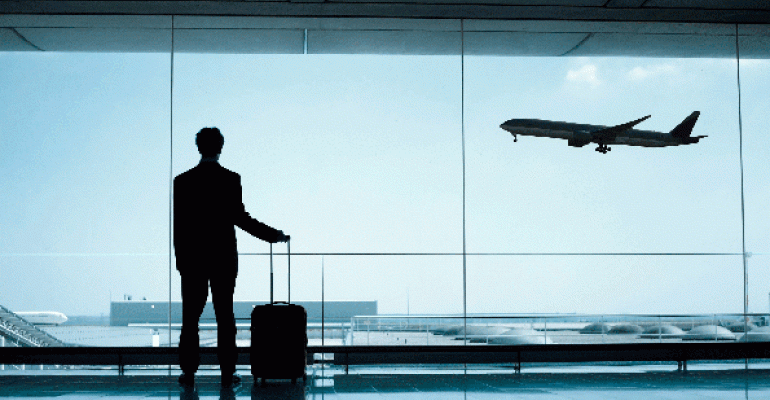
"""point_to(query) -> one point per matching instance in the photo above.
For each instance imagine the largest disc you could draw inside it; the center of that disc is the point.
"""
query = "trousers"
(195, 288)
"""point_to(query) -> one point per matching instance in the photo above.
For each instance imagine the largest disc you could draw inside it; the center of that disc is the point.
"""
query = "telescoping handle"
(288, 254)
(288, 259)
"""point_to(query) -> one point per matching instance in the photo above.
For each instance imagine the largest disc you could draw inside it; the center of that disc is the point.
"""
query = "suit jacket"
(207, 206)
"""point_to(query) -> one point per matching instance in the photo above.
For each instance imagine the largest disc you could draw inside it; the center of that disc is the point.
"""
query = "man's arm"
(255, 228)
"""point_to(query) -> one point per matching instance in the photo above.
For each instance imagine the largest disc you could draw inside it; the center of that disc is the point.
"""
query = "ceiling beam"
(614, 10)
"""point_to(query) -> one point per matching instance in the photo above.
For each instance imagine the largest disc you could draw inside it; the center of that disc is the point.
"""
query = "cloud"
(585, 74)
(642, 73)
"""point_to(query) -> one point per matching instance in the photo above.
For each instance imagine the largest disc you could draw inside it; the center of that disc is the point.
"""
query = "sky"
(364, 154)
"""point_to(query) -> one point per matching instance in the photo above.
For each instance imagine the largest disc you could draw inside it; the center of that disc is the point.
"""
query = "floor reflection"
(269, 391)
(280, 390)
(189, 393)
(408, 384)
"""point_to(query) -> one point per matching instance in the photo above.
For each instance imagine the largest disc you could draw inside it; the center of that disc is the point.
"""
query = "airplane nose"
(508, 125)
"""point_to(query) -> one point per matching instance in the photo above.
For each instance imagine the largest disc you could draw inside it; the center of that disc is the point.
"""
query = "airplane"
(43, 317)
(579, 135)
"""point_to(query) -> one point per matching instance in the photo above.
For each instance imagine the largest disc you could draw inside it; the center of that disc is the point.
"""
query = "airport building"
(494, 187)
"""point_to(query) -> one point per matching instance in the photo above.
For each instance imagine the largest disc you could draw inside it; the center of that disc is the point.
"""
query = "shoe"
(187, 379)
(231, 380)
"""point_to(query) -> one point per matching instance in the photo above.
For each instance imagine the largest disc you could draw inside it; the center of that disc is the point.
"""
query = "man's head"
(209, 141)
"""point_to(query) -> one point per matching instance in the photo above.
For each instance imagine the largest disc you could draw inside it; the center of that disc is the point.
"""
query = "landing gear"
(603, 148)
(515, 139)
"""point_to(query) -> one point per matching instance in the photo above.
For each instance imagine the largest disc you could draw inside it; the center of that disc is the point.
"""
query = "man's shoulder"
(229, 172)
(209, 169)
(184, 175)
(188, 175)
(227, 175)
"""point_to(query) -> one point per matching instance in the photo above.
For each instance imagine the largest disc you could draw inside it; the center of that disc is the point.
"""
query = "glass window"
(85, 138)
(756, 156)
(377, 145)
(563, 228)
(541, 195)
(357, 156)
(592, 284)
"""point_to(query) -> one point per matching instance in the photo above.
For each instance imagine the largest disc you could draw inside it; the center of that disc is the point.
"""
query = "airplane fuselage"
(43, 317)
(581, 133)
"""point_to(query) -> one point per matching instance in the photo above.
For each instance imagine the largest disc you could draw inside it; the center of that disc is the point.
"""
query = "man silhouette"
(207, 206)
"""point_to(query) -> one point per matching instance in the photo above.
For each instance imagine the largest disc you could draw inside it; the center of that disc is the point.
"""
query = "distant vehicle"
(43, 317)
(579, 135)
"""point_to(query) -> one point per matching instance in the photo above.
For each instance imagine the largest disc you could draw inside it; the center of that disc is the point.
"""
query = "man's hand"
(283, 238)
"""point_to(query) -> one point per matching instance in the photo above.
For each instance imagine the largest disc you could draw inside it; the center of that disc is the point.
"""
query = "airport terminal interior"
(536, 199)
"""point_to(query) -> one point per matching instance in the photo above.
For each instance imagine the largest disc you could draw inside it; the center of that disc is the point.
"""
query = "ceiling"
(718, 11)
(648, 28)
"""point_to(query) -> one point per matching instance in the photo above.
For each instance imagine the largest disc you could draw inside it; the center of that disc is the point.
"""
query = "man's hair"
(209, 141)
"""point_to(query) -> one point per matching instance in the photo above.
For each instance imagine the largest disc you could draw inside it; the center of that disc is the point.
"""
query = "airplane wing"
(609, 134)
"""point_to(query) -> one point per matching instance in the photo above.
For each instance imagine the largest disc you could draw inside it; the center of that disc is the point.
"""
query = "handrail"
(558, 315)
(372, 355)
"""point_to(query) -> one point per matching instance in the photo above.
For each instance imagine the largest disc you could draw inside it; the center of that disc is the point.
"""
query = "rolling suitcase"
(279, 336)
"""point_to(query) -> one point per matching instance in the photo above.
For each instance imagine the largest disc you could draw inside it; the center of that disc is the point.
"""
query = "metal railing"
(346, 356)
(475, 339)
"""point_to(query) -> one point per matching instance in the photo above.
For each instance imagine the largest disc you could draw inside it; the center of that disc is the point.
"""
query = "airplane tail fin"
(684, 129)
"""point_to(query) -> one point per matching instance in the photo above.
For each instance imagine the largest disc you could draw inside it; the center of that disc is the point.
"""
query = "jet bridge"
(24, 334)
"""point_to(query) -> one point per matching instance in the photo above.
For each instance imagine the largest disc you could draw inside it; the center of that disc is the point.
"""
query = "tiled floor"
(706, 384)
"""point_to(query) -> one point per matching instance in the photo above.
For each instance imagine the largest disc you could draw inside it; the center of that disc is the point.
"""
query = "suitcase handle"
(288, 253)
